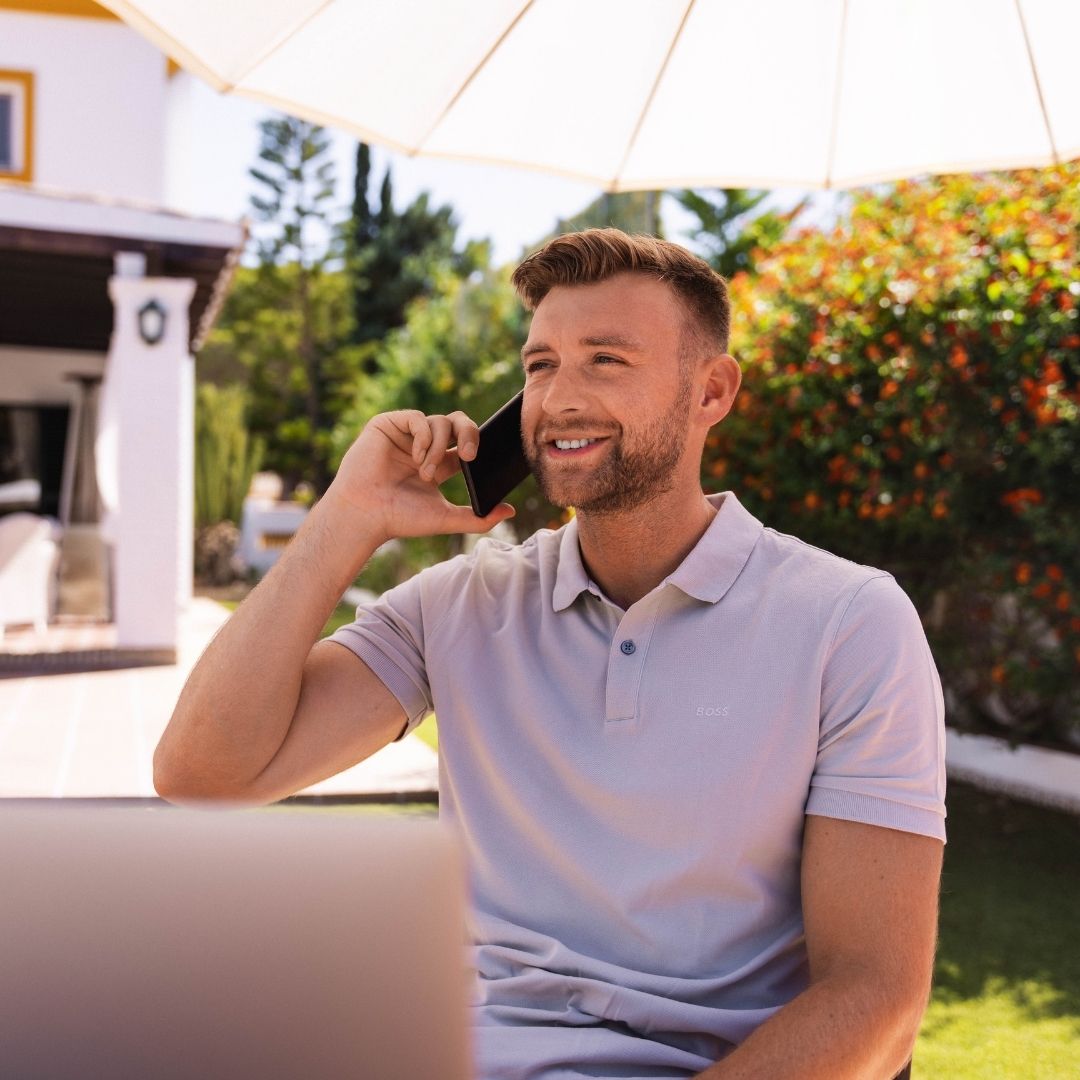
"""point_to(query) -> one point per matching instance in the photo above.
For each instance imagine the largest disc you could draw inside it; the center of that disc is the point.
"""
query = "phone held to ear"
(499, 465)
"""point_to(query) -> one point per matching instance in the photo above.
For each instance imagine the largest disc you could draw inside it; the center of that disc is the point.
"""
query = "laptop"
(138, 944)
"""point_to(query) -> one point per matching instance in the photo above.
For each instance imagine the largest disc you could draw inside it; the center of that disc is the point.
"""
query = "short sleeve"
(388, 635)
(881, 746)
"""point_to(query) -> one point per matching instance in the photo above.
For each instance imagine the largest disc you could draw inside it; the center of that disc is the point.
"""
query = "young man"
(697, 764)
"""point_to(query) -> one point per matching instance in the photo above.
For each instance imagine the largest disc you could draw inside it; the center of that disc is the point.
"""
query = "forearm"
(235, 709)
(838, 1029)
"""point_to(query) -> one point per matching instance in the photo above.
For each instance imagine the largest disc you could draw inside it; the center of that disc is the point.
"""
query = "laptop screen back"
(180, 943)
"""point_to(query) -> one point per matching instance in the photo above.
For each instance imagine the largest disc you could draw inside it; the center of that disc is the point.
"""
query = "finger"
(441, 430)
(466, 435)
(420, 429)
(449, 466)
(396, 426)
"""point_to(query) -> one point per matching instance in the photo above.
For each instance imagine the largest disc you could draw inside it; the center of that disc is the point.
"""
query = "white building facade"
(104, 296)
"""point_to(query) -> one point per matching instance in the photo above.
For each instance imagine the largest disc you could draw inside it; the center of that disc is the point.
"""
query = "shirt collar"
(706, 573)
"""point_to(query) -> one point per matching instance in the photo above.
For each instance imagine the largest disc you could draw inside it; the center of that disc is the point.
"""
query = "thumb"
(461, 519)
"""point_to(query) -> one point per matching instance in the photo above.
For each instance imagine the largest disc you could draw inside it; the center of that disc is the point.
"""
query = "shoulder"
(815, 573)
(493, 569)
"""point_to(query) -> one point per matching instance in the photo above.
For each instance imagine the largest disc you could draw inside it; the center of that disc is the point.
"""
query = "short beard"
(630, 478)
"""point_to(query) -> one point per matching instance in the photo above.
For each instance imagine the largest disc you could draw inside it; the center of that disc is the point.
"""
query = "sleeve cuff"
(410, 696)
(872, 810)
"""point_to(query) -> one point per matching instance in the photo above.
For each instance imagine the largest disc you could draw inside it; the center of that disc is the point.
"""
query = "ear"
(723, 377)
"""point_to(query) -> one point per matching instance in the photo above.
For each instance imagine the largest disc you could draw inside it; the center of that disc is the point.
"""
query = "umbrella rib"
(281, 39)
(473, 74)
(1038, 83)
(838, 88)
(652, 94)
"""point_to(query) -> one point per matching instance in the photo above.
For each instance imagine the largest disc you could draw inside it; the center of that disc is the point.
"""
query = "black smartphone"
(499, 465)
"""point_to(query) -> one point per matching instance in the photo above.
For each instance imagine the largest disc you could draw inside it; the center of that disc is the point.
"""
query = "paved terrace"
(92, 734)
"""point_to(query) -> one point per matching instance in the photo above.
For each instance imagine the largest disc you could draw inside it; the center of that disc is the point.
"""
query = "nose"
(564, 392)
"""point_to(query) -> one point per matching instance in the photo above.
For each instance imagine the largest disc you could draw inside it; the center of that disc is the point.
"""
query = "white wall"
(36, 376)
(99, 103)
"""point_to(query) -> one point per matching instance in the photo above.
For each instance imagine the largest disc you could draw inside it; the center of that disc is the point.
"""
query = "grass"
(1006, 1000)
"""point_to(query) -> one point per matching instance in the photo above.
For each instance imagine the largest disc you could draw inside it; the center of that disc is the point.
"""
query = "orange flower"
(922, 470)
(1054, 572)
(889, 389)
(1064, 601)
(998, 674)
(1042, 590)
(1023, 573)
(940, 510)
(958, 357)
(811, 500)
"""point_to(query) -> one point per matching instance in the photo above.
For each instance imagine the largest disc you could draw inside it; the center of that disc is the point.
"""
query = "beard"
(634, 471)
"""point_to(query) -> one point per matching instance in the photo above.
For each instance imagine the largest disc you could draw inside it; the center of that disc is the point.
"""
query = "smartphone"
(499, 465)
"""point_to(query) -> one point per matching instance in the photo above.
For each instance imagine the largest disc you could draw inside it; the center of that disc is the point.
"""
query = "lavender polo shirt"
(631, 785)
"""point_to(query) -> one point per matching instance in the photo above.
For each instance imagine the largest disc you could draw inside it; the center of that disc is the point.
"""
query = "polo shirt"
(631, 785)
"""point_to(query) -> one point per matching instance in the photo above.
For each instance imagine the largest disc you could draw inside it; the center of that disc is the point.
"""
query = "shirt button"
(627, 647)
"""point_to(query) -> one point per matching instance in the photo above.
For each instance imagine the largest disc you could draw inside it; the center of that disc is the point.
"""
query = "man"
(697, 765)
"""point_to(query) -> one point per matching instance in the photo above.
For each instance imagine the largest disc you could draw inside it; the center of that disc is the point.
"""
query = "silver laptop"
(169, 943)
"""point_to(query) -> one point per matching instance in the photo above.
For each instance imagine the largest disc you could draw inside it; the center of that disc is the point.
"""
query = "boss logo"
(713, 710)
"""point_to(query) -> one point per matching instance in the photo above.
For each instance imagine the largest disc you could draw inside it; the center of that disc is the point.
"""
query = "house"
(104, 296)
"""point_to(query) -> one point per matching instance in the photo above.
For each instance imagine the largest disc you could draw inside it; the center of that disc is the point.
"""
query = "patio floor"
(92, 734)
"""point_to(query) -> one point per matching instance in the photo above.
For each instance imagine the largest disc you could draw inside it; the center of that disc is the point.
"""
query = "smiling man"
(697, 764)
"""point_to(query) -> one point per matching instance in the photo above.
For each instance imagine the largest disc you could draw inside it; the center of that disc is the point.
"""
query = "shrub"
(910, 401)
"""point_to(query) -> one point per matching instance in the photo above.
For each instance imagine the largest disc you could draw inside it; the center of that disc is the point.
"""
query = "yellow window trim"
(26, 78)
(83, 9)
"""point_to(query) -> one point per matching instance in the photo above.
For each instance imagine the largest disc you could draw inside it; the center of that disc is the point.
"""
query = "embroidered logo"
(713, 710)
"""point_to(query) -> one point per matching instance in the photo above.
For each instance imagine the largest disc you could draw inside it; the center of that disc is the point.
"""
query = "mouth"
(578, 447)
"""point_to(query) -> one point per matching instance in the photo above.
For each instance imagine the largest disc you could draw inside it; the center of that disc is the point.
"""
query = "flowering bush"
(911, 401)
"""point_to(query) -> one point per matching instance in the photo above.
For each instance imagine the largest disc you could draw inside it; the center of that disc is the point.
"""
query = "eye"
(604, 358)
(536, 365)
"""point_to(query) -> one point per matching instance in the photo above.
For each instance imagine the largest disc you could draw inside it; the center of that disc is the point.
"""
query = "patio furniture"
(29, 555)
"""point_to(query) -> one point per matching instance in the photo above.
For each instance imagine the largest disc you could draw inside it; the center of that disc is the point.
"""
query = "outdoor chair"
(29, 557)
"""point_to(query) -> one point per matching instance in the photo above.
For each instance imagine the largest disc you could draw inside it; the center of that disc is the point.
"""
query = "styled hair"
(593, 255)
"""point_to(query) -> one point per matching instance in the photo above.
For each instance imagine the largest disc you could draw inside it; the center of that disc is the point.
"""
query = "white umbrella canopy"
(654, 94)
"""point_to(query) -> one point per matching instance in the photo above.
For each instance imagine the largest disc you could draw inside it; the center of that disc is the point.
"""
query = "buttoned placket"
(627, 656)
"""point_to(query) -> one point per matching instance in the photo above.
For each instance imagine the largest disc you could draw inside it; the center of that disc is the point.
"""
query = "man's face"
(607, 394)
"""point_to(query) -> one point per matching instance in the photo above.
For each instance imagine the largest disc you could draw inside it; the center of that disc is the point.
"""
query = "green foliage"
(261, 328)
(911, 401)
(294, 340)
(226, 456)
(297, 187)
(731, 226)
(396, 256)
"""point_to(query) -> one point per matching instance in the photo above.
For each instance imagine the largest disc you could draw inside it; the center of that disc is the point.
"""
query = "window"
(16, 125)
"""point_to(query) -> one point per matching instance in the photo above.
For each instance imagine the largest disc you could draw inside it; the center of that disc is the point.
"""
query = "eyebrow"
(609, 341)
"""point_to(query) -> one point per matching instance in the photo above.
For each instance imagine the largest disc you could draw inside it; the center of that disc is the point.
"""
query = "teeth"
(573, 444)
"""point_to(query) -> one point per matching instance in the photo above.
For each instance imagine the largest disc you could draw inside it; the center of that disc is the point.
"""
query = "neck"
(628, 554)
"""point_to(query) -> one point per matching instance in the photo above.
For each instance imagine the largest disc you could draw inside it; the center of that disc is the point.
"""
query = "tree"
(631, 211)
(395, 256)
(732, 226)
(285, 322)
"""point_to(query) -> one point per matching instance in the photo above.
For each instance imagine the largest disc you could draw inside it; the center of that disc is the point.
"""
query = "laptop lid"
(178, 943)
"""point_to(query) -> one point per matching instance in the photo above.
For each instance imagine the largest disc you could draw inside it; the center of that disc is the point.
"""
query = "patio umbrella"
(652, 94)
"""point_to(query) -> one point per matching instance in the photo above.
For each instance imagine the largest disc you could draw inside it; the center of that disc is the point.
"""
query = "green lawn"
(1006, 1000)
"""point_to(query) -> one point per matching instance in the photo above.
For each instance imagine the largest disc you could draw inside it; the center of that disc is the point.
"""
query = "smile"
(574, 444)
